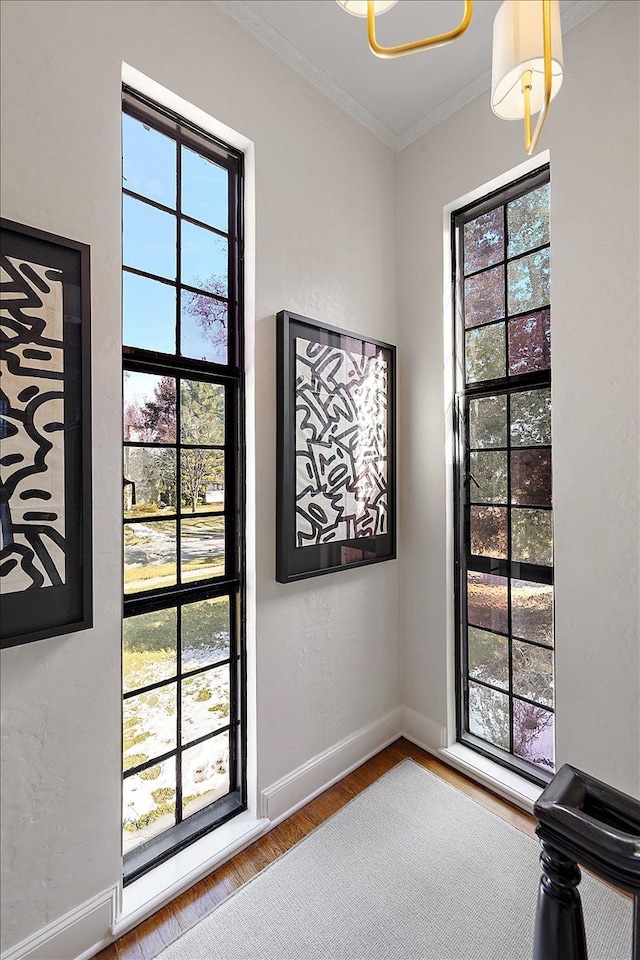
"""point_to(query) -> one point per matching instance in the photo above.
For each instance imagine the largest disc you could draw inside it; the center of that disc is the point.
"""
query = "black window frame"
(508, 386)
(232, 584)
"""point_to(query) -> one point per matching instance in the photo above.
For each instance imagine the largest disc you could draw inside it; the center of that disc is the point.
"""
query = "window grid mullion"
(165, 209)
(509, 497)
(154, 761)
(186, 675)
(178, 351)
(179, 718)
(179, 779)
(505, 386)
(494, 686)
(507, 259)
(229, 378)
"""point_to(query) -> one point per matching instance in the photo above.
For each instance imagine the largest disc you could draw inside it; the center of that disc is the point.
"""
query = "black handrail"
(582, 821)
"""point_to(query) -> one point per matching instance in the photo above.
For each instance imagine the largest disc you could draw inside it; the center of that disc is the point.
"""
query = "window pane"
(205, 703)
(205, 632)
(149, 481)
(530, 343)
(533, 734)
(202, 548)
(532, 536)
(488, 480)
(533, 672)
(148, 804)
(148, 162)
(149, 408)
(489, 715)
(488, 657)
(532, 611)
(528, 282)
(181, 241)
(149, 649)
(489, 532)
(203, 330)
(202, 412)
(149, 555)
(148, 238)
(205, 773)
(149, 314)
(531, 477)
(203, 259)
(149, 725)
(484, 241)
(528, 221)
(485, 355)
(531, 418)
(488, 422)
(202, 480)
(503, 506)
(484, 297)
(205, 189)
(487, 601)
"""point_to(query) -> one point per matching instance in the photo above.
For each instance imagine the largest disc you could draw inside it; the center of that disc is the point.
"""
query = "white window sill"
(143, 897)
(507, 784)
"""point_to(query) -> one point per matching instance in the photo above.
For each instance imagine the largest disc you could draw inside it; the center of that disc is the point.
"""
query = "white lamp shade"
(518, 46)
(359, 7)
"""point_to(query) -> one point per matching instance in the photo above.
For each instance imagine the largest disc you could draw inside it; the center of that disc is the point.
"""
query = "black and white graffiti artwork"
(341, 444)
(32, 453)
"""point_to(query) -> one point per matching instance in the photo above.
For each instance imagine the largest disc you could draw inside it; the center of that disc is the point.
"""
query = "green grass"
(152, 773)
(134, 739)
(192, 570)
(135, 760)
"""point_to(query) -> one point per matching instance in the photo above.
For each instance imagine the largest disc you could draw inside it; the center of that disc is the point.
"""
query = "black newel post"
(559, 930)
(582, 820)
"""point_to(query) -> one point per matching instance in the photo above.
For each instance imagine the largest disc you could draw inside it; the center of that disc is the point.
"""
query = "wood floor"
(150, 937)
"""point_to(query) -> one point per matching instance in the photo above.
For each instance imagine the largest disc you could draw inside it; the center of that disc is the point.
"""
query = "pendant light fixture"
(527, 63)
(373, 8)
(527, 55)
(359, 7)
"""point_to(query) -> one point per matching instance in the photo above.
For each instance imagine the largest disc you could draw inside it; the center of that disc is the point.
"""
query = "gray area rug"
(410, 868)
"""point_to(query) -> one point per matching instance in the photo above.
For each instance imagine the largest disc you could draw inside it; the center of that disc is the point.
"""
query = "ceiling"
(398, 100)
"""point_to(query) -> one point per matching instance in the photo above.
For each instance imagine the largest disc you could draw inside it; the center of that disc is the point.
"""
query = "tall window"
(504, 531)
(183, 665)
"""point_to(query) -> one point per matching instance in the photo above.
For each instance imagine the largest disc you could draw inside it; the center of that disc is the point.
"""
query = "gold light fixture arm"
(404, 48)
(531, 142)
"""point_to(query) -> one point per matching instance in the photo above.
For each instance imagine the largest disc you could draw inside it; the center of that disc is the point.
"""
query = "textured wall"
(592, 134)
(327, 649)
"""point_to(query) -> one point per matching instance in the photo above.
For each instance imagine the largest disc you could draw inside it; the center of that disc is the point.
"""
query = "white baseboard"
(422, 731)
(285, 796)
(67, 937)
(426, 733)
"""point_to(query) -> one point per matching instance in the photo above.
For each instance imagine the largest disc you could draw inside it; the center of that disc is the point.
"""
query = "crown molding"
(446, 109)
(570, 19)
(271, 38)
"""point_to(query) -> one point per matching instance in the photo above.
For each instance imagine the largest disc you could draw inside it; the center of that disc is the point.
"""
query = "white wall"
(592, 134)
(327, 649)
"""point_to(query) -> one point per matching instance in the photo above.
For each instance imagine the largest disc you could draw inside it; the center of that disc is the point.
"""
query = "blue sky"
(149, 239)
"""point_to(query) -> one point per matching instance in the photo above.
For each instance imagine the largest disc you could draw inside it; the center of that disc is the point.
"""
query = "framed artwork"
(45, 436)
(336, 499)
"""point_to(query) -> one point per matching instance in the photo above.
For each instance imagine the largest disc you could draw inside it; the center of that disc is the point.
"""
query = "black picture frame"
(325, 387)
(45, 435)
